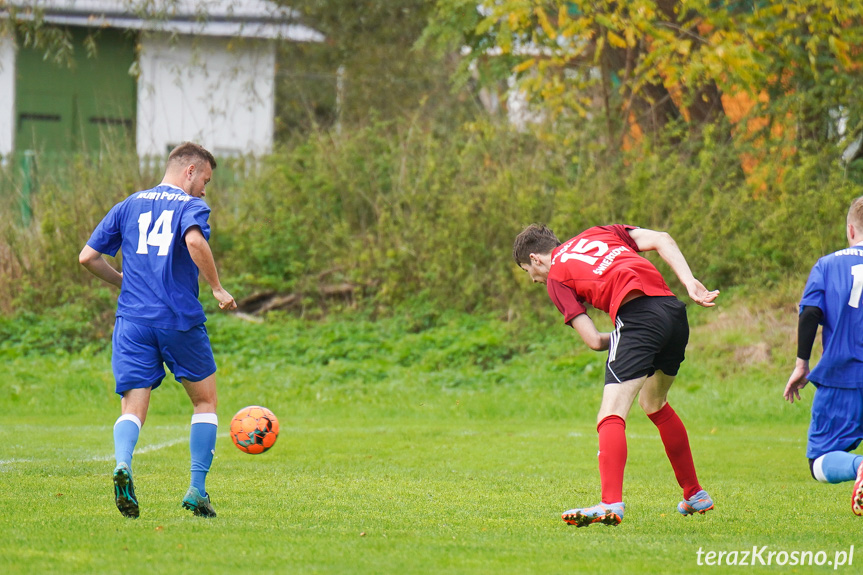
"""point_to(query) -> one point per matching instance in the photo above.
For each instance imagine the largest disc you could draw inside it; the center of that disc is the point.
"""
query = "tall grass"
(68, 196)
(410, 215)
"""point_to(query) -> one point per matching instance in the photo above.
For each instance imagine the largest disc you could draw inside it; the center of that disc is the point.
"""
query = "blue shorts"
(139, 352)
(837, 421)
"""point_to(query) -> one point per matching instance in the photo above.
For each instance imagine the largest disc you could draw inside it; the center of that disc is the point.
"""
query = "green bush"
(418, 218)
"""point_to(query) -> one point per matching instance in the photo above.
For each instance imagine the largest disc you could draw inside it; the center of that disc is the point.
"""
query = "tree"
(368, 66)
(27, 24)
(653, 62)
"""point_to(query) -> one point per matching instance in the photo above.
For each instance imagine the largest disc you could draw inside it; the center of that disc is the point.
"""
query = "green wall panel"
(79, 107)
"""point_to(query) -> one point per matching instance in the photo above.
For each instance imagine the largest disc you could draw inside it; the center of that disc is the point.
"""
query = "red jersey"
(600, 266)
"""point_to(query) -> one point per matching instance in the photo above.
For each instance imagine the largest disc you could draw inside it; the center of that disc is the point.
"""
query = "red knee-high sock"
(612, 457)
(676, 442)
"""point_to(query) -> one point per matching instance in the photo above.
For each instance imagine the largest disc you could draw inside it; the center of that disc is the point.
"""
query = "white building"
(196, 70)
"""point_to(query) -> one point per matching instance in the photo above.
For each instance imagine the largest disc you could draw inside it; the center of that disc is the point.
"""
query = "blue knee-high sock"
(126, 432)
(836, 467)
(202, 445)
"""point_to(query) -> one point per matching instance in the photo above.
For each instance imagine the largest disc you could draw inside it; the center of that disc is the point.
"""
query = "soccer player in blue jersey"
(163, 234)
(832, 298)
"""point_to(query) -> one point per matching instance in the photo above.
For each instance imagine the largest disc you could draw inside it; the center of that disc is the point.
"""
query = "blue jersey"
(835, 285)
(160, 280)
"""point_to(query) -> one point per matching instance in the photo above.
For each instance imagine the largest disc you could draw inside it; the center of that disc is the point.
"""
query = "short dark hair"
(188, 152)
(534, 239)
(855, 214)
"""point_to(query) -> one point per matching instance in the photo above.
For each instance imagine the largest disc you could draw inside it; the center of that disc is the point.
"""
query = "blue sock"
(202, 445)
(126, 432)
(836, 467)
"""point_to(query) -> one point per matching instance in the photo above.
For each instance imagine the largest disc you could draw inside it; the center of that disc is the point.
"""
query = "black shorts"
(650, 334)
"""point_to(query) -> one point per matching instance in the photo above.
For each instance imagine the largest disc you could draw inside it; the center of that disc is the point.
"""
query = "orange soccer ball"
(254, 429)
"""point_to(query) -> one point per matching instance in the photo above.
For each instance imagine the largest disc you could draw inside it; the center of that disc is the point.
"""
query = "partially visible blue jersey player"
(833, 298)
(163, 234)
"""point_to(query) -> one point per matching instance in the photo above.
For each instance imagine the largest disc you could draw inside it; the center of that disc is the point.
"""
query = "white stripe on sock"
(129, 417)
(818, 470)
(205, 418)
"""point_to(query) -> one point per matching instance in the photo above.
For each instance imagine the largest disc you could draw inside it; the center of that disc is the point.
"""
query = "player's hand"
(797, 381)
(700, 294)
(226, 300)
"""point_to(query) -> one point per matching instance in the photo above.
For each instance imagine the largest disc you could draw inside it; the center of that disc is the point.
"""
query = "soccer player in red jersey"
(601, 267)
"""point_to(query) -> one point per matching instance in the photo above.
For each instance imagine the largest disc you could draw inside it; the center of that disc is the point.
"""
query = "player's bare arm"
(808, 320)
(667, 248)
(201, 254)
(595, 339)
(96, 265)
(797, 380)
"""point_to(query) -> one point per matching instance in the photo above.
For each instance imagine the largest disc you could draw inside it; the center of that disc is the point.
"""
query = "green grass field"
(438, 445)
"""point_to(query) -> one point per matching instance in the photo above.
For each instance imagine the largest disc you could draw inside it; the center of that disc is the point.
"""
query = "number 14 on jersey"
(160, 236)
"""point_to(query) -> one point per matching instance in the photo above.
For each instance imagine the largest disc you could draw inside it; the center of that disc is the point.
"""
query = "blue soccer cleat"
(124, 491)
(698, 503)
(606, 513)
(857, 493)
(199, 504)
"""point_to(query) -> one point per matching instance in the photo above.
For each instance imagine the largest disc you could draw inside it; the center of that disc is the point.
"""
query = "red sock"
(676, 442)
(612, 457)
